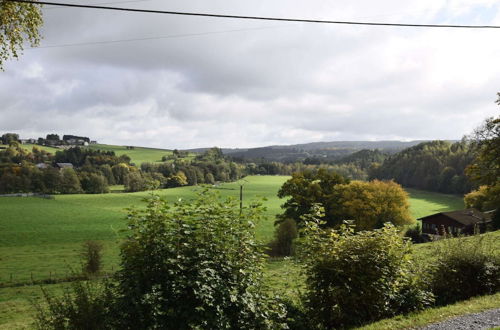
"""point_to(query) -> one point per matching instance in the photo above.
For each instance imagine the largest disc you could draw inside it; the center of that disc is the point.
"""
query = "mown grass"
(425, 202)
(42, 238)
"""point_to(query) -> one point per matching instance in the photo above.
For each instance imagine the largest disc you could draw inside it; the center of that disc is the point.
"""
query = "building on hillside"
(77, 142)
(93, 142)
(454, 222)
(42, 166)
(64, 165)
(28, 141)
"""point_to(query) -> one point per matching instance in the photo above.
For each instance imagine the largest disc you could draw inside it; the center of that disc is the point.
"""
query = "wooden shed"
(462, 221)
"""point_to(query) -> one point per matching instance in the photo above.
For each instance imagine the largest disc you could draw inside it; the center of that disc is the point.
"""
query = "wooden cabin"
(454, 222)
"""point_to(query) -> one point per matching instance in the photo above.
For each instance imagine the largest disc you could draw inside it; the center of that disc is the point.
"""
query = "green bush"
(465, 267)
(85, 305)
(92, 259)
(283, 243)
(354, 278)
(194, 265)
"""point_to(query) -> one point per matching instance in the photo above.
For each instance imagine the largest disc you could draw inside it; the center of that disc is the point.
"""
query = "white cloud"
(274, 83)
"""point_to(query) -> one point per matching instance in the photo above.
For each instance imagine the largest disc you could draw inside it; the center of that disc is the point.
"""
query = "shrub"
(84, 305)
(194, 265)
(91, 254)
(282, 245)
(353, 278)
(465, 267)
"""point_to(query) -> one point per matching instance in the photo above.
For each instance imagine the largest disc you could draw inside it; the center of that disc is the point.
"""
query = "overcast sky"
(197, 82)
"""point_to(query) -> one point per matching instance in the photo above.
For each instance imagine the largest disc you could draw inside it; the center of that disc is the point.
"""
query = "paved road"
(483, 320)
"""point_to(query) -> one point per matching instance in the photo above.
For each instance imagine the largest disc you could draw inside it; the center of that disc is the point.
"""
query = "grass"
(424, 203)
(138, 155)
(433, 315)
(42, 238)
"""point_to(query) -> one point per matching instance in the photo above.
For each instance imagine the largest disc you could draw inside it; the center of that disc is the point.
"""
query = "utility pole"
(241, 198)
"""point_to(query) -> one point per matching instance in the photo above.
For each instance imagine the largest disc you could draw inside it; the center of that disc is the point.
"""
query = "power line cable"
(262, 18)
(90, 43)
(103, 3)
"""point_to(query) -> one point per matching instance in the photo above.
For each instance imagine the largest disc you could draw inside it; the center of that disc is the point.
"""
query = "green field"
(138, 155)
(41, 239)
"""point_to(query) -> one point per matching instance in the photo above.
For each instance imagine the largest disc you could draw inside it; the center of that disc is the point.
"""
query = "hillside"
(138, 155)
(327, 150)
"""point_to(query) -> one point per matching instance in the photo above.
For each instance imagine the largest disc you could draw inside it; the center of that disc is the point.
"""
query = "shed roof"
(465, 217)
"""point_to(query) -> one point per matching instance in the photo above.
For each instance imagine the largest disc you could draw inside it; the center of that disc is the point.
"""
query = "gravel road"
(483, 320)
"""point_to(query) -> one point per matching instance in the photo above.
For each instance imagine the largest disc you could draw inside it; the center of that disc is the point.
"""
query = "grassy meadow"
(138, 155)
(41, 239)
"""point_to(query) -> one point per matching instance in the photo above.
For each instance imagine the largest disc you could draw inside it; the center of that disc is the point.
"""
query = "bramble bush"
(465, 267)
(355, 278)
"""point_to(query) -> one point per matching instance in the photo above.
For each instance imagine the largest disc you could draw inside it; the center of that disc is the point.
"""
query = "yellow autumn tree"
(371, 204)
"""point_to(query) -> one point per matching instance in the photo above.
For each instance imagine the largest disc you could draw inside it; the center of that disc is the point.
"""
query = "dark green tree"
(309, 188)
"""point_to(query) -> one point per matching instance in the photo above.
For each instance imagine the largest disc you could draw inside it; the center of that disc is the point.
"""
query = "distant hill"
(327, 150)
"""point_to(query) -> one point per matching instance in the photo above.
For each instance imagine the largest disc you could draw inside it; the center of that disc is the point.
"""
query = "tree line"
(93, 171)
(434, 166)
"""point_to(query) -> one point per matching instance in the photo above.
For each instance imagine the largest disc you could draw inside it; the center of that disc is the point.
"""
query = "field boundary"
(46, 196)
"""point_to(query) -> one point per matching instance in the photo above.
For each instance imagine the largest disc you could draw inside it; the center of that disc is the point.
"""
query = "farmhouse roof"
(465, 217)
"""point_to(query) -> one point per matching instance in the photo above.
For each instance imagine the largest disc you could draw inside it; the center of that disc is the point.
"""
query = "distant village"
(53, 140)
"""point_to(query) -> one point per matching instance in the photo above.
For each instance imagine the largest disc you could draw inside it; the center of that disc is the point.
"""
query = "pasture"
(138, 155)
(41, 239)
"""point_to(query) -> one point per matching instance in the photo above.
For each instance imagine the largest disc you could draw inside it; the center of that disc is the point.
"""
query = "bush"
(84, 305)
(194, 265)
(354, 278)
(465, 267)
(282, 245)
(91, 254)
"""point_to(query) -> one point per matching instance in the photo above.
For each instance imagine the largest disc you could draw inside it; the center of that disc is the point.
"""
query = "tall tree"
(19, 23)
(372, 204)
(307, 189)
(485, 169)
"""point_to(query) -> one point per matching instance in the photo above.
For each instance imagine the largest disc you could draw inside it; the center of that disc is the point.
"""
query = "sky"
(199, 82)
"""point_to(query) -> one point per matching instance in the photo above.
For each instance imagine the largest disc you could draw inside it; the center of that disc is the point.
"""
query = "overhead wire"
(261, 18)
(173, 36)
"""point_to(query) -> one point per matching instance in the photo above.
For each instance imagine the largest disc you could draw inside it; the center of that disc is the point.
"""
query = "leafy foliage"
(85, 305)
(353, 278)
(307, 189)
(19, 22)
(194, 265)
(371, 204)
(465, 268)
(283, 243)
(434, 166)
(92, 257)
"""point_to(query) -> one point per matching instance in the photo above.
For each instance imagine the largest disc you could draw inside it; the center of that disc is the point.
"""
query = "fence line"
(46, 196)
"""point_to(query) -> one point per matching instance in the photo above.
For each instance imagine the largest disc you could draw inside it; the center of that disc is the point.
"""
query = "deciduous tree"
(19, 23)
